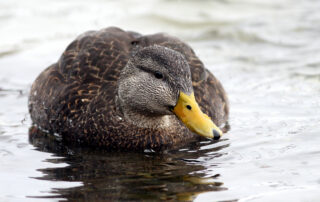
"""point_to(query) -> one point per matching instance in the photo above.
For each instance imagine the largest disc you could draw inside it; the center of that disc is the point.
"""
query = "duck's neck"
(145, 120)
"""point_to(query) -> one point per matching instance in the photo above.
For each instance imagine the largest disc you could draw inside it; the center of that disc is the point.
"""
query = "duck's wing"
(93, 61)
(208, 90)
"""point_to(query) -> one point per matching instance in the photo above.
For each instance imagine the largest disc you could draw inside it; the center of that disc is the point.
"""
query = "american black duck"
(121, 90)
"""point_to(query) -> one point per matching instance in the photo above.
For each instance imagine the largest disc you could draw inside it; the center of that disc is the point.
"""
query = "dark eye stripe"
(143, 68)
(157, 74)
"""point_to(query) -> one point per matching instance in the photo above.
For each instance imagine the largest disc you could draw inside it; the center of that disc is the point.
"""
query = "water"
(266, 53)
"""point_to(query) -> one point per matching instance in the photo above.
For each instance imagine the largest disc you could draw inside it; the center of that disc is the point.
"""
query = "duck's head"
(156, 82)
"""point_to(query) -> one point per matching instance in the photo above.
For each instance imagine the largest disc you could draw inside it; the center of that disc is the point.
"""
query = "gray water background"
(265, 52)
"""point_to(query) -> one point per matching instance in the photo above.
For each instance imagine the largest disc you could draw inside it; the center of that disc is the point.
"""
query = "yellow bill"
(189, 112)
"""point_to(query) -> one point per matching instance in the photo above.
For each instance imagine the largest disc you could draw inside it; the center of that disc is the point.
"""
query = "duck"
(121, 90)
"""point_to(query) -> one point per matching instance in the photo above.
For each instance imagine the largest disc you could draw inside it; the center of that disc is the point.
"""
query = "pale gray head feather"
(140, 93)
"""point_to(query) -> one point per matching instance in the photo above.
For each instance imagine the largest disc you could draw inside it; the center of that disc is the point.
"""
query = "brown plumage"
(77, 96)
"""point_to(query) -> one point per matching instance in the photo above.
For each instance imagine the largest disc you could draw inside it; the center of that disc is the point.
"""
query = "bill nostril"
(216, 135)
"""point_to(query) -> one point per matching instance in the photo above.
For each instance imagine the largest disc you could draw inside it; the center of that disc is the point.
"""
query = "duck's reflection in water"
(174, 175)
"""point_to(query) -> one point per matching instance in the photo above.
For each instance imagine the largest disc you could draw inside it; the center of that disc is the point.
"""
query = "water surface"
(266, 53)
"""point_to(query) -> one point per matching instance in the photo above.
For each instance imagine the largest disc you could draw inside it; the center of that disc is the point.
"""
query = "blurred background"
(266, 53)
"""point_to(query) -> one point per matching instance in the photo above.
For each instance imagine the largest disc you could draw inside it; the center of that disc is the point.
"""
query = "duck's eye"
(158, 75)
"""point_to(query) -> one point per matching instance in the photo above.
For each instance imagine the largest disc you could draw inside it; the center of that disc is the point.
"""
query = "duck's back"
(77, 94)
(89, 66)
